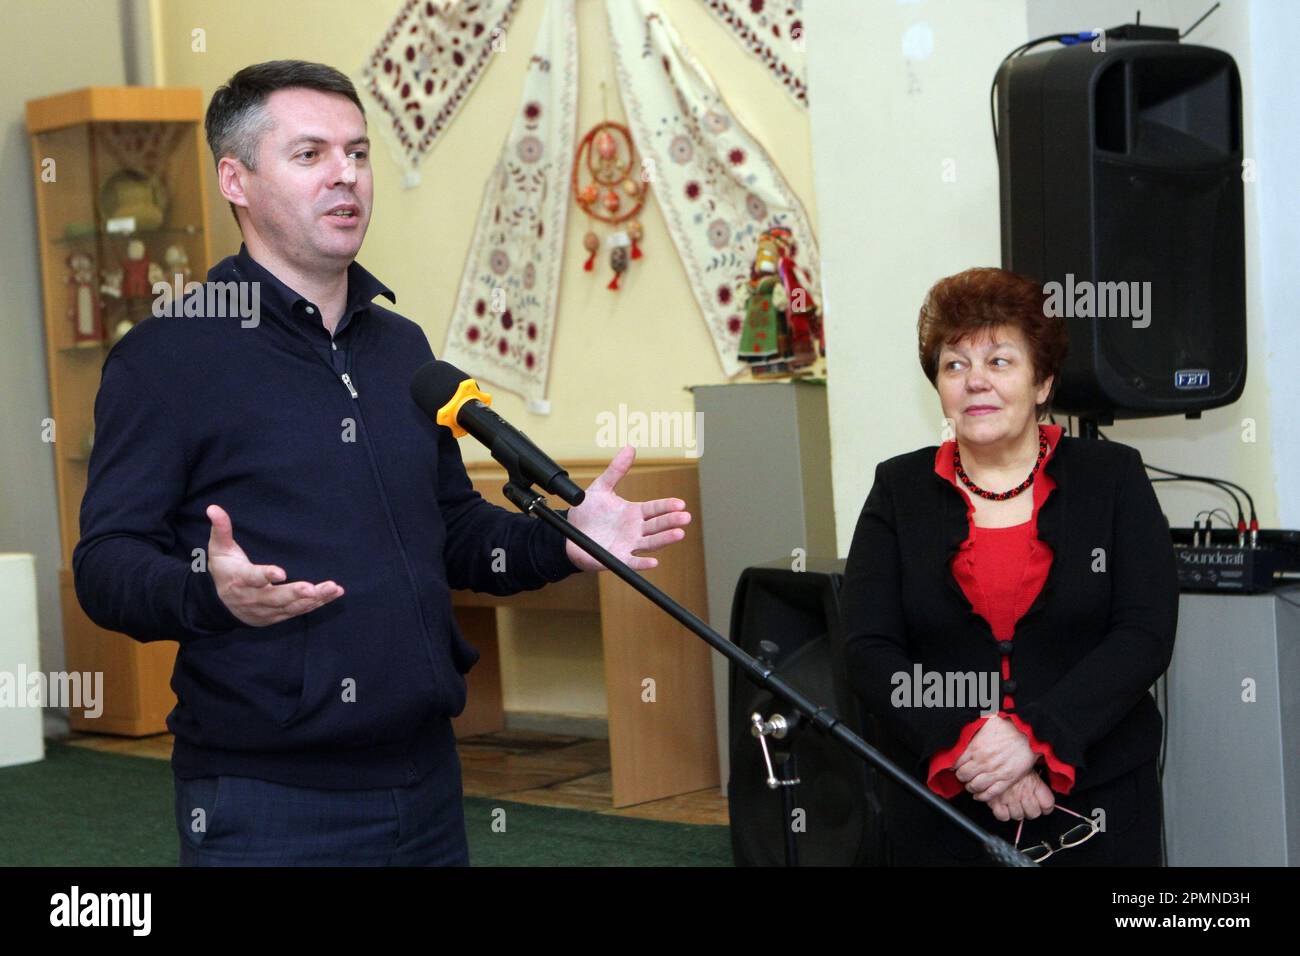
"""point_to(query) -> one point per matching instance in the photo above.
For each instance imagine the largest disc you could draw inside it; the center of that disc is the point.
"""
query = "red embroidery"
(417, 50)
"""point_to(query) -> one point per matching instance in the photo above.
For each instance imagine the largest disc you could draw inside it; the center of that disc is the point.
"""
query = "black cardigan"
(1085, 653)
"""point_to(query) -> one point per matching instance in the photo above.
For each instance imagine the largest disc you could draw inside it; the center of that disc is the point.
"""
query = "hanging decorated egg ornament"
(606, 148)
(607, 188)
(617, 262)
(635, 232)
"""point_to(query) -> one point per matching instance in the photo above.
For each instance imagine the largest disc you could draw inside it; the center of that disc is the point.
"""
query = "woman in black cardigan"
(1037, 565)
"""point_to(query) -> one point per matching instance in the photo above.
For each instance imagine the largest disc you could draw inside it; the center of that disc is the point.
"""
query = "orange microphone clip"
(466, 391)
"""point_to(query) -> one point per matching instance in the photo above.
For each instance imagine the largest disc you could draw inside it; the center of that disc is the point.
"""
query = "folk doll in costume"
(782, 330)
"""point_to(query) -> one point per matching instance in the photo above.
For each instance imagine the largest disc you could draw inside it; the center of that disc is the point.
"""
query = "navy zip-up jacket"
(328, 469)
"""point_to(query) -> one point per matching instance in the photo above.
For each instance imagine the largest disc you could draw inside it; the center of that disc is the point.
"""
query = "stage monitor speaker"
(1121, 182)
(798, 611)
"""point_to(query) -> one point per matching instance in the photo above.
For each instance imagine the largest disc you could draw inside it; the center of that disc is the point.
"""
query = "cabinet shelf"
(100, 235)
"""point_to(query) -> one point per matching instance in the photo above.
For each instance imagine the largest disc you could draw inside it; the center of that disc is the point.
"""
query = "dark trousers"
(241, 821)
(1131, 809)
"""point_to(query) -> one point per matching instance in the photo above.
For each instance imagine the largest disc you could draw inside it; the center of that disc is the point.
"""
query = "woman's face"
(986, 386)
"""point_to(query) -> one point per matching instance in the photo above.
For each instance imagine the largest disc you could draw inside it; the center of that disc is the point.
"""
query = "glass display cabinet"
(118, 174)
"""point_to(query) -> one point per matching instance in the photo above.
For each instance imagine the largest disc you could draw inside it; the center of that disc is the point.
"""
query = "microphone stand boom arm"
(523, 496)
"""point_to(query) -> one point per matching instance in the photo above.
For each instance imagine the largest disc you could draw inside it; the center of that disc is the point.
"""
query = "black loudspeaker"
(799, 612)
(1121, 181)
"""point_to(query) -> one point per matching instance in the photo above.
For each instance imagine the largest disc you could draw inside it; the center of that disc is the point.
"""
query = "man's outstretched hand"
(253, 592)
(624, 527)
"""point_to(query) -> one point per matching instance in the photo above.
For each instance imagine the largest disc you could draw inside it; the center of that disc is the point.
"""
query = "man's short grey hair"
(237, 117)
(242, 135)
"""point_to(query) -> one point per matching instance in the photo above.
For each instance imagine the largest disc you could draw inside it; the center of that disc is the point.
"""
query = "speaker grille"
(1173, 229)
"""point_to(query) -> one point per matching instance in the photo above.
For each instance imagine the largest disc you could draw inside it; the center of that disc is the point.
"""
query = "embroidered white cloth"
(426, 66)
(772, 31)
(715, 183)
(503, 325)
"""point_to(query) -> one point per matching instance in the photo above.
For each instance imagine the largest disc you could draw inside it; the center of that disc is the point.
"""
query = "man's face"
(312, 165)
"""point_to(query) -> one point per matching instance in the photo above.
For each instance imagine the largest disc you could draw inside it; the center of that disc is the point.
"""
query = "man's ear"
(231, 178)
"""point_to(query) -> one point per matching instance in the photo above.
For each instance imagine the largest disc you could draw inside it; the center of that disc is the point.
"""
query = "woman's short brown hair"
(980, 300)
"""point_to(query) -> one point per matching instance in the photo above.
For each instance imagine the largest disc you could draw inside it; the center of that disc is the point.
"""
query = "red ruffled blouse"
(1001, 571)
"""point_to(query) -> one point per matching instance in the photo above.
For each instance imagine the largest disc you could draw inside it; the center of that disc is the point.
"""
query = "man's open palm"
(253, 592)
(624, 527)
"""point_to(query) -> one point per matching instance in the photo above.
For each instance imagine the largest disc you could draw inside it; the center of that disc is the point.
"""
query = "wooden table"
(660, 747)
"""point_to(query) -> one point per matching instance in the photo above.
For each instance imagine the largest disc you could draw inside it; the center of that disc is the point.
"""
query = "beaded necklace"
(1001, 495)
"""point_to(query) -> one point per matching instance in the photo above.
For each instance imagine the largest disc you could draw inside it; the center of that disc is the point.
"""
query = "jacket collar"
(1048, 511)
(279, 300)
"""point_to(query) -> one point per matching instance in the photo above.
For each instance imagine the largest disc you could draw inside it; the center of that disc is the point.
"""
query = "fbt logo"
(1186, 378)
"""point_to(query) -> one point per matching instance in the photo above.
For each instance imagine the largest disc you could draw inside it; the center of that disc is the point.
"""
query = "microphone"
(454, 400)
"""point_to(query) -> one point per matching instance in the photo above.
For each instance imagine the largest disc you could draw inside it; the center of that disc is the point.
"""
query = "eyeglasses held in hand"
(1079, 833)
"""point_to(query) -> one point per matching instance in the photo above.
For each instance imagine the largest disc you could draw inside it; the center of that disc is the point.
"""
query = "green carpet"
(79, 807)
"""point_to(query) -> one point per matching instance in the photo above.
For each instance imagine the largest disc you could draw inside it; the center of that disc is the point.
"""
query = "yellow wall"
(643, 345)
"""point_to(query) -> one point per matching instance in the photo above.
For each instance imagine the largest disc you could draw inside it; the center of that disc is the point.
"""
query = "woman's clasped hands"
(997, 768)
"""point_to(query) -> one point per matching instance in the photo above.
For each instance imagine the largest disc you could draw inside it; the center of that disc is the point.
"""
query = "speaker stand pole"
(522, 495)
(789, 770)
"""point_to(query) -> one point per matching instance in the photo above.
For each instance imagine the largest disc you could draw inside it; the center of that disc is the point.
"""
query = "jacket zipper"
(388, 512)
(346, 378)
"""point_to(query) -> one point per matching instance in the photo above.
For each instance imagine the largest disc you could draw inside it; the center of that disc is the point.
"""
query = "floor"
(519, 765)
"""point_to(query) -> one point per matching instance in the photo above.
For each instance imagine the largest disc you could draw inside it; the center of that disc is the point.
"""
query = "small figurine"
(84, 309)
(112, 284)
(135, 270)
(178, 264)
(783, 328)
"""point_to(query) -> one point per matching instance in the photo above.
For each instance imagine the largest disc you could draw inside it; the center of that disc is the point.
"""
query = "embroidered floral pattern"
(773, 33)
(513, 269)
(426, 66)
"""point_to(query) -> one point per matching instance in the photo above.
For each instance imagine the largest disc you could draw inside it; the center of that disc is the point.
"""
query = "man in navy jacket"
(319, 662)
